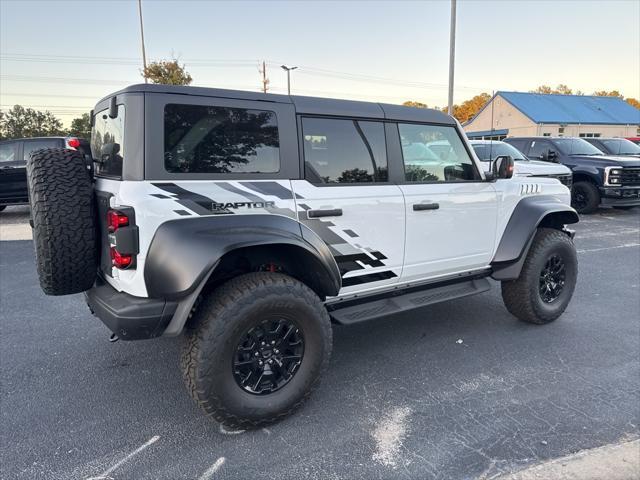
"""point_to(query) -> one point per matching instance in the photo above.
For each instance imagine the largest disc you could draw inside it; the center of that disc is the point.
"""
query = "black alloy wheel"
(268, 356)
(552, 278)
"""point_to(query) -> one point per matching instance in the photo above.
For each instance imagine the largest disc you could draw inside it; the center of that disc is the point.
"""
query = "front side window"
(206, 139)
(33, 145)
(9, 152)
(107, 143)
(344, 151)
(434, 153)
(576, 146)
(539, 149)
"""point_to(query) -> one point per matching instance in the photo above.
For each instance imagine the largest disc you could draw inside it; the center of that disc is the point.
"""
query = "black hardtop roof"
(302, 104)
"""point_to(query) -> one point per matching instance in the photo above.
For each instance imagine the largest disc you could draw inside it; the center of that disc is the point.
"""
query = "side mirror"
(552, 156)
(503, 167)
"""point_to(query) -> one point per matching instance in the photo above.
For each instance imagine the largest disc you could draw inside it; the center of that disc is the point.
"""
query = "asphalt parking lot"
(458, 390)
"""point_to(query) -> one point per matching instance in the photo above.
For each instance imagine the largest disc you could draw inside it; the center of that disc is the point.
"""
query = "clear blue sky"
(501, 45)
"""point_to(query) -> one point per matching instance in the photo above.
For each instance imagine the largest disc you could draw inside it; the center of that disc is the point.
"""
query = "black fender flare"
(184, 252)
(529, 214)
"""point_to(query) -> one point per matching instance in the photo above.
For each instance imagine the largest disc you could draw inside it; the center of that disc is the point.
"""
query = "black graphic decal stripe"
(271, 188)
(287, 212)
(371, 277)
(200, 204)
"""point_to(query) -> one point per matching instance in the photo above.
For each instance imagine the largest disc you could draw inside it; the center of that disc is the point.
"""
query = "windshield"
(490, 151)
(621, 146)
(576, 146)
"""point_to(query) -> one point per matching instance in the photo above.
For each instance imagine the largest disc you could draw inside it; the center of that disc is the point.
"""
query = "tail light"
(123, 237)
(73, 142)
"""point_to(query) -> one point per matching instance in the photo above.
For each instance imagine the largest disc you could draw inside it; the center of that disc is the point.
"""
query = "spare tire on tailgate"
(63, 211)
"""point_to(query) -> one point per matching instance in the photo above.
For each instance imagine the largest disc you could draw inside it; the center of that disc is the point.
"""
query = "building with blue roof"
(517, 114)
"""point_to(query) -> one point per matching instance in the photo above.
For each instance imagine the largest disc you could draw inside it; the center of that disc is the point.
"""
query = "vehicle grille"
(630, 176)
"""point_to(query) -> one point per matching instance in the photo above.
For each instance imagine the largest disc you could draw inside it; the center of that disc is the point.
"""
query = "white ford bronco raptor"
(249, 222)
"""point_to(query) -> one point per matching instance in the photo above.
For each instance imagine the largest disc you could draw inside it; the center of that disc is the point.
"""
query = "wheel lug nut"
(275, 350)
(257, 354)
(262, 343)
(273, 342)
(270, 361)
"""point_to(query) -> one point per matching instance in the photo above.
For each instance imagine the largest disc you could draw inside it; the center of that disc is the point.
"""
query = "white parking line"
(105, 475)
(626, 245)
(212, 469)
(19, 231)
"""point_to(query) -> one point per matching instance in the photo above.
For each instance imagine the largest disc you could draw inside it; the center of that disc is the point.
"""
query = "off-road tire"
(590, 193)
(522, 296)
(64, 220)
(220, 321)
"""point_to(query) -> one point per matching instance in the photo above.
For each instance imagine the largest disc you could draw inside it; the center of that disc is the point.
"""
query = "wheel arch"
(529, 214)
(184, 252)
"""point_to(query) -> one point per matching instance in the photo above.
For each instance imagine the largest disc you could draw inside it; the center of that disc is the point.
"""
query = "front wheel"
(547, 280)
(585, 197)
(260, 343)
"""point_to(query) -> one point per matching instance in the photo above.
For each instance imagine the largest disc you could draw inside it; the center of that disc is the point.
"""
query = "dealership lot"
(456, 390)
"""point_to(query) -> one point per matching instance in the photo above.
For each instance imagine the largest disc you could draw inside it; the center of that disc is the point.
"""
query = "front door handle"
(425, 206)
(334, 212)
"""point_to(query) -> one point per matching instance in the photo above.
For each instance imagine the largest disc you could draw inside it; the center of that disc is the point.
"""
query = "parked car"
(488, 150)
(620, 147)
(13, 162)
(598, 179)
(250, 221)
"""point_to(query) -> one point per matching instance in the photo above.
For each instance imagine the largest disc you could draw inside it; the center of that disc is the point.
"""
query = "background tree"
(411, 103)
(604, 93)
(633, 102)
(167, 72)
(561, 89)
(25, 122)
(81, 126)
(469, 108)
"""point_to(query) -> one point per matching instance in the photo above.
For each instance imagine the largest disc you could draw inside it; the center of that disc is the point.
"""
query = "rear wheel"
(260, 344)
(585, 197)
(547, 280)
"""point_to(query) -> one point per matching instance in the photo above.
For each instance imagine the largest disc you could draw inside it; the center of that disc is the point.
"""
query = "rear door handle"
(335, 212)
(425, 206)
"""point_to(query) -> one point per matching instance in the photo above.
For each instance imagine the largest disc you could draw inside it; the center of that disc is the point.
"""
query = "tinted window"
(576, 146)
(518, 143)
(621, 147)
(9, 152)
(33, 145)
(489, 151)
(539, 148)
(204, 139)
(344, 151)
(107, 143)
(434, 153)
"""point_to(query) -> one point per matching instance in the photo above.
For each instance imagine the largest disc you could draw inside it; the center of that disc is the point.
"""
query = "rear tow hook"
(114, 338)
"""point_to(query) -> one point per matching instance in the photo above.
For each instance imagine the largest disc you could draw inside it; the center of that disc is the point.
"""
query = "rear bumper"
(129, 317)
(620, 196)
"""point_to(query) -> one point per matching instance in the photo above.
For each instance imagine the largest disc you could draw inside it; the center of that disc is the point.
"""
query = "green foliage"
(167, 72)
(25, 122)
(81, 126)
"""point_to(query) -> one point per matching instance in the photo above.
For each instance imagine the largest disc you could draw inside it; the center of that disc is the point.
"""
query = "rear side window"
(9, 152)
(206, 139)
(107, 143)
(344, 151)
(33, 145)
(434, 153)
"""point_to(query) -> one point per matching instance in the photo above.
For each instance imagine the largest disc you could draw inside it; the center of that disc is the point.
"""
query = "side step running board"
(350, 313)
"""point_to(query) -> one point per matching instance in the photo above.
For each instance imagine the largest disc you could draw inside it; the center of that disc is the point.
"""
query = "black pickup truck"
(598, 179)
(13, 164)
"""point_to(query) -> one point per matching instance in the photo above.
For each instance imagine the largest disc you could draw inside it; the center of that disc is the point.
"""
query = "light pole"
(144, 54)
(452, 55)
(288, 69)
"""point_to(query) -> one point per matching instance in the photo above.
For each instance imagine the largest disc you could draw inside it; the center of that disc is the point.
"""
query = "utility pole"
(265, 80)
(452, 55)
(288, 69)
(144, 54)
